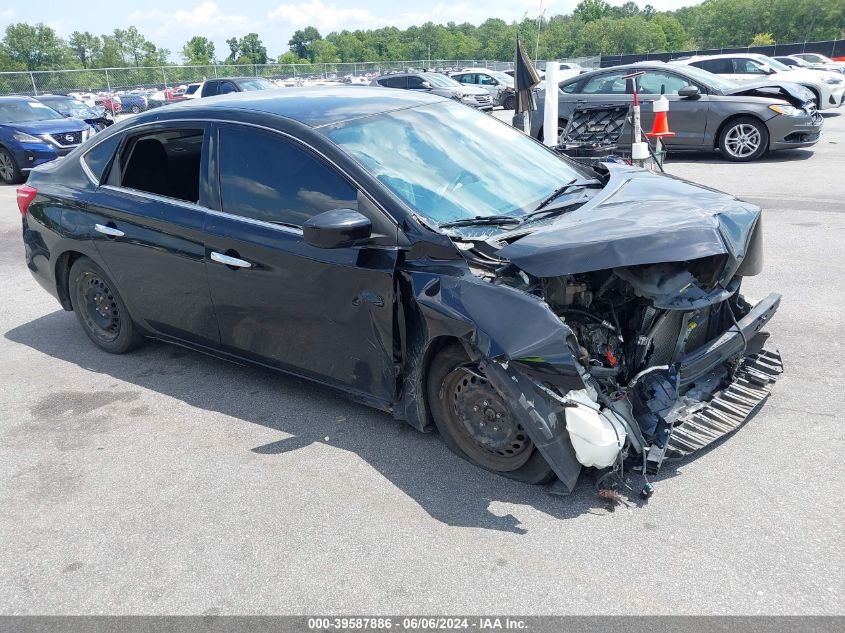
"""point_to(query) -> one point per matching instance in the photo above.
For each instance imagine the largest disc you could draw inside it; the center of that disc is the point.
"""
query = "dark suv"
(440, 85)
(213, 87)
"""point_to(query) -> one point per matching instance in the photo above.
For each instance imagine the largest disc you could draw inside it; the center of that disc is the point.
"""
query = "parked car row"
(742, 105)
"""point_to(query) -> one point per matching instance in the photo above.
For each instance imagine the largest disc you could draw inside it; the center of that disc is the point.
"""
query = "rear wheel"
(135, 109)
(744, 139)
(9, 172)
(100, 310)
(475, 421)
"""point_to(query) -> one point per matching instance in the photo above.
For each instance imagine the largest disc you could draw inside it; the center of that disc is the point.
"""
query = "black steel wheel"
(100, 309)
(510, 102)
(9, 171)
(475, 421)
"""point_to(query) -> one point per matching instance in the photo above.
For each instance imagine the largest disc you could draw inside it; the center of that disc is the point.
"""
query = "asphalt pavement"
(166, 482)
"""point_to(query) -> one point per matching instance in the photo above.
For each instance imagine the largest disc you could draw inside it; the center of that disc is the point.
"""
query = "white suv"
(828, 87)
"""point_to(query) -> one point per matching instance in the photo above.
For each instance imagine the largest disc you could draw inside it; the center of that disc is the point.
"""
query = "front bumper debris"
(702, 425)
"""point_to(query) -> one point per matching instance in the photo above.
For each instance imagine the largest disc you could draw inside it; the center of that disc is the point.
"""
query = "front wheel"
(744, 139)
(9, 171)
(510, 102)
(135, 109)
(475, 421)
(100, 310)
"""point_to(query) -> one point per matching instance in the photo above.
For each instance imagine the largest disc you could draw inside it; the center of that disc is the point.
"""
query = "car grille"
(66, 139)
(484, 99)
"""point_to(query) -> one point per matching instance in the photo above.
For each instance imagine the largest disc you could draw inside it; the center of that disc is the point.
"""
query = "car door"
(687, 117)
(147, 224)
(609, 87)
(324, 313)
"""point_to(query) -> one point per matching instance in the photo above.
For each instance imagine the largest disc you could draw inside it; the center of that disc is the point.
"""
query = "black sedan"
(706, 112)
(425, 258)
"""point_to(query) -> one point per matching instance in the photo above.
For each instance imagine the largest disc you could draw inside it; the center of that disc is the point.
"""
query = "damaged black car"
(425, 258)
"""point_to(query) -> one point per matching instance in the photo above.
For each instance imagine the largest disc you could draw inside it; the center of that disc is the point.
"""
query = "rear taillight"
(26, 194)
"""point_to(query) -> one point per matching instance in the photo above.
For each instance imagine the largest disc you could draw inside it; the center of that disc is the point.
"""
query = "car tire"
(510, 102)
(744, 139)
(10, 173)
(135, 109)
(502, 446)
(100, 309)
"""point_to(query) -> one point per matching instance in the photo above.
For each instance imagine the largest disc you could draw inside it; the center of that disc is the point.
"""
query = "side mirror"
(338, 228)
(689, 92)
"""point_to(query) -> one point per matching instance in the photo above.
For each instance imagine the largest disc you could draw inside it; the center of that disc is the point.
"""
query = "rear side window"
(265, 177)
(609, 84)
(716, 66)
(166, 163)
(394, 82)
(98, 157)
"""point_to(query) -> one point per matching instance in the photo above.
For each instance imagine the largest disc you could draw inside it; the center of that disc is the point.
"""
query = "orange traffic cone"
(660, 127)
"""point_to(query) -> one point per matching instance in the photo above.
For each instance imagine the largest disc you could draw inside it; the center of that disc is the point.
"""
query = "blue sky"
(170, 23)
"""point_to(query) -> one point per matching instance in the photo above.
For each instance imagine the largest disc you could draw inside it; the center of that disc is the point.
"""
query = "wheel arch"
(62, 276)
(734, 117)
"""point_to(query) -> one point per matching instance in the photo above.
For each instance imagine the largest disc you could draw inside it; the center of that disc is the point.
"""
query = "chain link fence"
(116, 80)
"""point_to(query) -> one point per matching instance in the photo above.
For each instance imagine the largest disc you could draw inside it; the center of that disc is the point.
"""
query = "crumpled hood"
(792, 92)
(638, 218)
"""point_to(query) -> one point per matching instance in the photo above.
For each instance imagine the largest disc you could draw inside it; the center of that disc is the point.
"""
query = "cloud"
(205, 19)
(324, 17)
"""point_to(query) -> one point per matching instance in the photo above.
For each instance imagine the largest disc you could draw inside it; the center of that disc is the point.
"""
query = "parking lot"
(167, 482)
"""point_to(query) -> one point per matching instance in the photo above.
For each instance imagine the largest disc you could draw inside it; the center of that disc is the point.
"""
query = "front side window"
(415, 83)
(166, 163)
(486, 80)
(656, 80)
(227, 87)
(747, 67)
(445, 161)
(607, 84)
(265, 177)
(211, 88)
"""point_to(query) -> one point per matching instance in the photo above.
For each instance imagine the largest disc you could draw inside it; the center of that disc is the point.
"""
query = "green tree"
(198, 51)
(591, 10)
(302, 42)
(86, 47)
(35, 47)
(762, 39)
(252, 50)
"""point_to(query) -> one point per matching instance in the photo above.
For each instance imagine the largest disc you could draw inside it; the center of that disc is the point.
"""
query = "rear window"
(97, 158)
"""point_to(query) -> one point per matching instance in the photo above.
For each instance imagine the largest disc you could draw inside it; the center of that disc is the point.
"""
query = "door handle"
(108, 230)
(228, 260)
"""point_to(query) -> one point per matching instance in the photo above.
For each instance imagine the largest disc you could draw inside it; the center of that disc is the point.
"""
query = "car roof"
(313, 106)
(12, 98)
(696, 58)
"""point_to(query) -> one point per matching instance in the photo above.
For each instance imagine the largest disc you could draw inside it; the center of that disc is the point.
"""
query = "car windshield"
(259, 83)
(709, 79)
(450, 162)
(773, 63)
(508, 81)
(69, 107)
(441, 81)
(26, 111)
